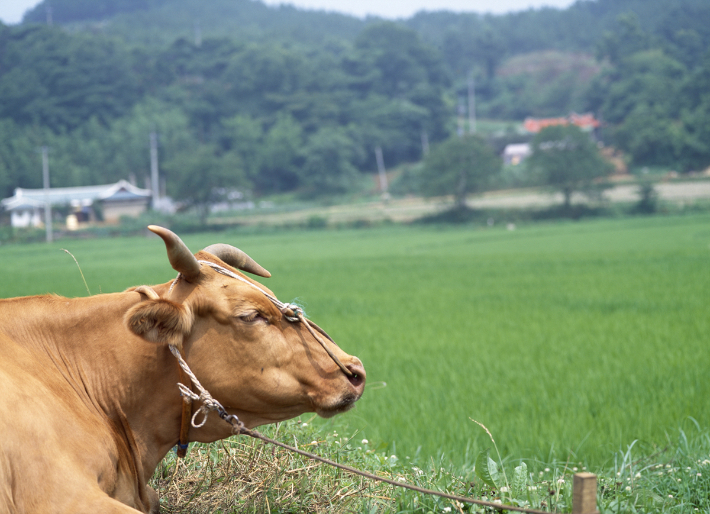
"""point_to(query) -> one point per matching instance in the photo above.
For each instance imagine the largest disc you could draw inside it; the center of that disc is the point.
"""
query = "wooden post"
(584, 494)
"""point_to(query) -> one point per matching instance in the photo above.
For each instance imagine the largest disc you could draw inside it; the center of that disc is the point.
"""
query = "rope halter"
(290, 312)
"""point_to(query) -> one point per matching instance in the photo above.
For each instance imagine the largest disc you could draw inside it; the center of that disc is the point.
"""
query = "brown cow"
(88, 390)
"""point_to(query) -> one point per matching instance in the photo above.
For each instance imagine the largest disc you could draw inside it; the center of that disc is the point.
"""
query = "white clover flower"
(637, 475)
(679, 480)
(541, 473)
(447, 509)
(670, 496)
(668, 465)
(503, 489)
(628, 488)
(560, 480)
(532, 488)
(314, 442)
(365, 441)
(547, 470)
(304, 424)
(698, 474)
(574, 469)
(401, 479)
(497, 501)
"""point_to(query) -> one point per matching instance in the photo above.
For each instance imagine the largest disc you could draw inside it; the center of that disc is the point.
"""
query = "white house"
(515, 154)
(119, 199)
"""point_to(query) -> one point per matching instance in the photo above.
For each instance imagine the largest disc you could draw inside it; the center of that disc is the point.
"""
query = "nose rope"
(291, 312)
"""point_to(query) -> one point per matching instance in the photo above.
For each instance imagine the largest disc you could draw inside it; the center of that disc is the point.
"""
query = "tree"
(459, 166)
(199, 177)
(567, 159)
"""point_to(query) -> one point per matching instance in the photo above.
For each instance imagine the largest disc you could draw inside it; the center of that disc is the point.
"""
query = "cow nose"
(357, 379)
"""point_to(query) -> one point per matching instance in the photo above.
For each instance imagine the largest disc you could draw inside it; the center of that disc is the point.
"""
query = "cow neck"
(186, 414)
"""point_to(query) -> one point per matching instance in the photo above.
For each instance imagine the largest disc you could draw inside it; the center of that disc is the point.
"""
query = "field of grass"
(569, 341)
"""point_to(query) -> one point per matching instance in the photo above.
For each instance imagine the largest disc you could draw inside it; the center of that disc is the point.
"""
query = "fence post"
(584, 494)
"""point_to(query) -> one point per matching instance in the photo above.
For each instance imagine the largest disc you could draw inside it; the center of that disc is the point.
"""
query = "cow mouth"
(346, 403)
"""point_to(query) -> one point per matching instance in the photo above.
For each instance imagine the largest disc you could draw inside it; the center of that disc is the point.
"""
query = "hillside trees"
(653, 103)
(57, 80)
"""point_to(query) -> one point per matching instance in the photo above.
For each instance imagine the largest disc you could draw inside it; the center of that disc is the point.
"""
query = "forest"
(270, 100)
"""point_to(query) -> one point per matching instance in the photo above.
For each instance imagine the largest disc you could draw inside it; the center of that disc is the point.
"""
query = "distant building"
(515, 154)
(584, 121)
(116, 200)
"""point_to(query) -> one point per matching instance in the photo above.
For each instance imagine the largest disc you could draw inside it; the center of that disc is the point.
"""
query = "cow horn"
(237, 258)
(179, 255)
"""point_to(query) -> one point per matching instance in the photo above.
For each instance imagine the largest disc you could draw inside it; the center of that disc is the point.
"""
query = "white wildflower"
(503, 489)
(547, 470)
(574, 469)
(698, 474)
(304, 424)
(447, 509)
(365, 441)
(628, 488)
(637, 475)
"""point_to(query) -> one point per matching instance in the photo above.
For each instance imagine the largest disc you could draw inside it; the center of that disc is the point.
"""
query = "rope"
(293, 313)
(208, 403)
(498, 506)
(238, 428)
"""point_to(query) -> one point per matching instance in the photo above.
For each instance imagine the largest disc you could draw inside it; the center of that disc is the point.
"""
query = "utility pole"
(154, 184)
(461, 111)
(47, 204)
(381, 171)
(471, 104)
(198, 34)
(425, 143)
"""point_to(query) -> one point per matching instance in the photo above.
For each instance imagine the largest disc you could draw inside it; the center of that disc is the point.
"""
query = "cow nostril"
(357, 379)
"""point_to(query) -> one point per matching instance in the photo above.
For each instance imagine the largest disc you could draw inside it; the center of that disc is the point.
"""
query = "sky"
(11, 11)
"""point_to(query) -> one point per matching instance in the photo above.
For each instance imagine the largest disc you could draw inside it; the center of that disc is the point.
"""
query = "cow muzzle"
(348, 393)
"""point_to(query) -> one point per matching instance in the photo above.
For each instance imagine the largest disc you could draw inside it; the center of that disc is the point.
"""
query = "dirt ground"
(407, 209)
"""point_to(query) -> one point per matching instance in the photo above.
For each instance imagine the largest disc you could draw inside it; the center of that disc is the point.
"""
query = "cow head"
(243, 349)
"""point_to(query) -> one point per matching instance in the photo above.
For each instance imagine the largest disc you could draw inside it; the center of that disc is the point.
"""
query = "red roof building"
(584, 121)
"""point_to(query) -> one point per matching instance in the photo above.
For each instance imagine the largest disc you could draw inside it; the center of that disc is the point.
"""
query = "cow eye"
(252, 317)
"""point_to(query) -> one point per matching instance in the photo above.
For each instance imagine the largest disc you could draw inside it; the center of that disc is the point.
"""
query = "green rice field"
(569, 341)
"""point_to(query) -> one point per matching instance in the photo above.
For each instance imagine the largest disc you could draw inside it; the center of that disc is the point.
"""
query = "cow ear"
(160, 321)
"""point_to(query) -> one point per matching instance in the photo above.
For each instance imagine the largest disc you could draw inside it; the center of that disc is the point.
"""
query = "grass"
(570, 341)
